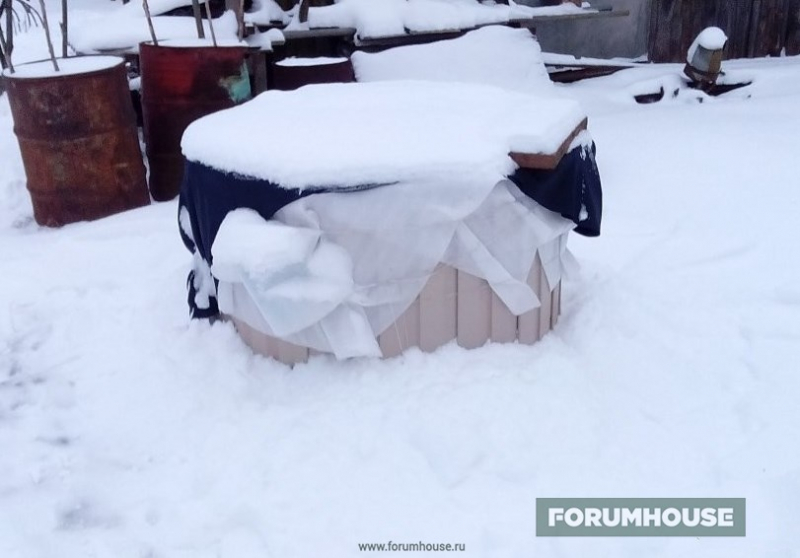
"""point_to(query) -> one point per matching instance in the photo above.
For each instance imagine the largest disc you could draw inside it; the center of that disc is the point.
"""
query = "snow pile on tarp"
(126, 27)
(374, 133)
(386, 18)
(493, 55)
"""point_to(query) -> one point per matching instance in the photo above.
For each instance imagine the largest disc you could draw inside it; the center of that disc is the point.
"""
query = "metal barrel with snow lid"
(77, 135)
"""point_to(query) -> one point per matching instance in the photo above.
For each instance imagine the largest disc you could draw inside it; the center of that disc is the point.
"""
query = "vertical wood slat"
(768, 20)
(555, 309)
(503, 322)
(438, 311)
(402, 334)
(474, 311)
(546, 297)
(529, 323)
(792, 33)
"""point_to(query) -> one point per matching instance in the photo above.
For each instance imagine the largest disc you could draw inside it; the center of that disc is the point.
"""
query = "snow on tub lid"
(318, 61)
(344, 135)
(66, 66)
(189, 42)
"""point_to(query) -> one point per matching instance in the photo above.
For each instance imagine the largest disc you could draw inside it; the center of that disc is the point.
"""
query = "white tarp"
(344, 266)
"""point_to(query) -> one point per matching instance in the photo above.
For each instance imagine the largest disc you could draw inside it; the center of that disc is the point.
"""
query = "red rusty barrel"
(179, 85)
(78, 138)
(293, 73)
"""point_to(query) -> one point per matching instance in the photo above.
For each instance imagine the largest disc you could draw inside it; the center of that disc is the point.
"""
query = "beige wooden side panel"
(438, 309)
(453, 305)
(474, 311)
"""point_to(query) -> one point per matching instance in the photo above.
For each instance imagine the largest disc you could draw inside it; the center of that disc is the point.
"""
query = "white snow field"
(128, 431)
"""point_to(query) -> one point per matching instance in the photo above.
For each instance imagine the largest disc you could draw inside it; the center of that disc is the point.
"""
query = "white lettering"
(652, 515)
(708, 517)
(554, 515)
(608, 521)
(725, 517)
(574, 517)
(691, 517)
(632, 517)
(593, 516)
(671, 517)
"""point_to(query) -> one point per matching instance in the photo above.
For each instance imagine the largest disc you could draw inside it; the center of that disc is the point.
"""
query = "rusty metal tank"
(293, 73)
(179, 85)
(78, 138)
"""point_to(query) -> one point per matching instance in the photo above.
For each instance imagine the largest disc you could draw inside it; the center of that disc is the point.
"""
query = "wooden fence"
(754, 27)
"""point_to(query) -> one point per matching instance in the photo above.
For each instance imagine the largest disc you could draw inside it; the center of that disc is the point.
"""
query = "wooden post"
(198, 19)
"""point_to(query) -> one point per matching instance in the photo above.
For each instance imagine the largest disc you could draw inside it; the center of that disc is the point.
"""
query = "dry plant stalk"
(240, 19)
(210, 23)
(146, 7)
(47, 36)
(64, 32)
(4, 51)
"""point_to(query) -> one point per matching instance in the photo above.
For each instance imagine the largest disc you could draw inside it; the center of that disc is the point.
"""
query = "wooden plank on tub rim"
(548, 161)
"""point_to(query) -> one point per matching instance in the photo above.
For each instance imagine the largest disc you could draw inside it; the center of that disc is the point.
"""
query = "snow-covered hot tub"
(375, 217)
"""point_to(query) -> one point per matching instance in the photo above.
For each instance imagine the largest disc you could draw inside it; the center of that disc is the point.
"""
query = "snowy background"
(128, 431)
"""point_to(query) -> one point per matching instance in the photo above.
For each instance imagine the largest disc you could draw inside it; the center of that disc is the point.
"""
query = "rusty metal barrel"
(77, 134)
(293, 73)
(179, 85)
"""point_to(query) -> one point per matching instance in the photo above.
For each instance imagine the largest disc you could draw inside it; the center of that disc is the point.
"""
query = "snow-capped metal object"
(79, 143)
(704, 58)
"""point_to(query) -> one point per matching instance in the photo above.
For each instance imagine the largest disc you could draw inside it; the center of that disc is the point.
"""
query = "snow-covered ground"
(128, 431)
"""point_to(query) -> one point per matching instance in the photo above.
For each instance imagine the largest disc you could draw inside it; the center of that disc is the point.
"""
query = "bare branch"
(146, 7)
(210, 23)
(47, 35)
